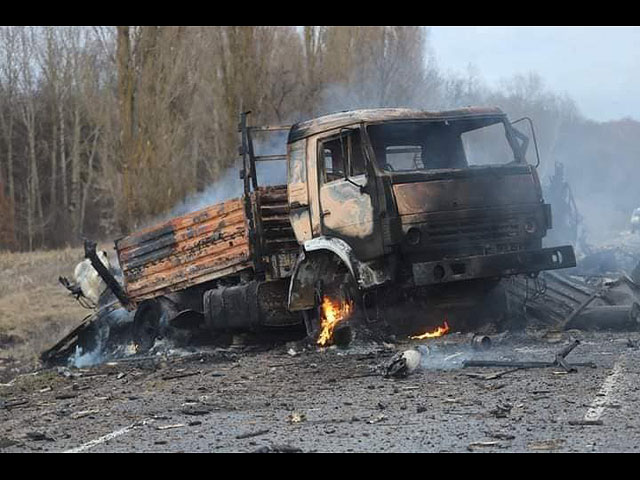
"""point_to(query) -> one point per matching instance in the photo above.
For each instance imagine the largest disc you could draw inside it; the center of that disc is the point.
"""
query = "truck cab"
(414, 198)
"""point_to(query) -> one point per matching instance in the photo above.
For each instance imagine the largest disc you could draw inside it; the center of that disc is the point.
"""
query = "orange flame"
(332, 313)
(438, 332)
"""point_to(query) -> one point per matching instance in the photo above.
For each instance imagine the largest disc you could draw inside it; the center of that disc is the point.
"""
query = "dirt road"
(334, 401)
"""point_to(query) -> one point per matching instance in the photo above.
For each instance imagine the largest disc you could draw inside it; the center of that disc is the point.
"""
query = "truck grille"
(477, 230)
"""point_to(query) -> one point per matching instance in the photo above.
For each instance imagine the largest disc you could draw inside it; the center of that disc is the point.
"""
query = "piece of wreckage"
(390, 219)
(575, 300)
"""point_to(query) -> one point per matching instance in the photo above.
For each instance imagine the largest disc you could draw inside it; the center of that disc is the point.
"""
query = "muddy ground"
(247, 399)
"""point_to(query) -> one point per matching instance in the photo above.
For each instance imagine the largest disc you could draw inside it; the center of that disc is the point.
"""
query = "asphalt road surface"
(336, 400)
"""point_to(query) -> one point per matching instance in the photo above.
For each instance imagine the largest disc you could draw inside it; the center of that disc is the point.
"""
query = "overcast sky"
(599, 67)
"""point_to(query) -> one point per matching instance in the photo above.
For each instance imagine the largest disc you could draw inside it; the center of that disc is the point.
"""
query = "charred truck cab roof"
(449, 195)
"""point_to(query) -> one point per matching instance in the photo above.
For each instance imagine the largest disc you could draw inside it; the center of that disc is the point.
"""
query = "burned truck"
(387, 214)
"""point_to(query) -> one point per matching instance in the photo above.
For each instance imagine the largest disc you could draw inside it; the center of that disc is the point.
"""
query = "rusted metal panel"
(349, 213)
(185, 251)
(485, 191)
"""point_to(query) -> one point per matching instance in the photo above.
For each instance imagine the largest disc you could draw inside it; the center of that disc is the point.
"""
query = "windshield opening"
(431, 145)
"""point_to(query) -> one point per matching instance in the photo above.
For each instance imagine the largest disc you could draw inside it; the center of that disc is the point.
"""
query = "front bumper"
(498, 265)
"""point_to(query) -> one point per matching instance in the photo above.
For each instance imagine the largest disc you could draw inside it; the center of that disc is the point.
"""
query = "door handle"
(326, 213)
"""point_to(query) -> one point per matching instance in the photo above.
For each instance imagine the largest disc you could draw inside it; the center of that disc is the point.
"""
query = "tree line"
(105, 128)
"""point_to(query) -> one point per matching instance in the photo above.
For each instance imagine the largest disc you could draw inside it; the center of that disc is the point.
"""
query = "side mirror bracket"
(533, 133)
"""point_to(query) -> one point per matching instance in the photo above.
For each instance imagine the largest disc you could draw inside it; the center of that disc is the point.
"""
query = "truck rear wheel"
(151, 322)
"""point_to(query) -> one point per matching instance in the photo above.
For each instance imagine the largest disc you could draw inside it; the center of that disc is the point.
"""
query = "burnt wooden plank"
(185, 251)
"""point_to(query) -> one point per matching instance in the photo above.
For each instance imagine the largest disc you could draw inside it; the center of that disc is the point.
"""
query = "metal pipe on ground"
(481, 342)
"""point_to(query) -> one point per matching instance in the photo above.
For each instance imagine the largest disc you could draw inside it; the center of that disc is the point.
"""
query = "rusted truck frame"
(348, 223)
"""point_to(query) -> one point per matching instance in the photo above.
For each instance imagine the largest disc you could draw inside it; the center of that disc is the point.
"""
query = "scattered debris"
(558, 362)
(65, 372)
(585, 422)
(551, 444)
(403, 364)
(376, 419)
(8, 384)
(13, 403)
(252, 434)
(278, 449)
(7, 442)
(567, 321)
(169, 427)
(182, 375)
(83, 413)
(502, 410)
(66, 396)
(607, 317)
(579, 302)
(491, 376)
(196, 410)
(296, 417)
(450, 357)
(553, 336)
(40, 436)
(481, 342)
(500, 435)
(472, 446)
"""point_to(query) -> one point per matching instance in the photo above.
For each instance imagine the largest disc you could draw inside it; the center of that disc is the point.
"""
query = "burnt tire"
(151, 322)
(146, 326)
(342, 289)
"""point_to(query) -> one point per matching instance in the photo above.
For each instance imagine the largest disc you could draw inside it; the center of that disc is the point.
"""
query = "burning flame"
(332, 313)
(438, 332)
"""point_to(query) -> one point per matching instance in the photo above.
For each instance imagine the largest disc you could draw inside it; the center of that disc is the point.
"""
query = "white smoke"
(108, 337)
(436, 357)
(229, 185)
(95, 356)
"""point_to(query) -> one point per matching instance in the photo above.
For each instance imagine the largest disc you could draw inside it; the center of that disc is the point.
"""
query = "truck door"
(298, 192)
(346, 194)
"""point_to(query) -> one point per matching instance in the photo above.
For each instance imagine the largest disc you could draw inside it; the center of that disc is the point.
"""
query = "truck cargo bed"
(185, 251)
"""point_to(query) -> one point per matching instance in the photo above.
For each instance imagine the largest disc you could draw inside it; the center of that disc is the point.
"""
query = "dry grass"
(35, 310)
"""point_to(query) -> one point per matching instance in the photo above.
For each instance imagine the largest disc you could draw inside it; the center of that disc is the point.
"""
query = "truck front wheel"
(337, 305)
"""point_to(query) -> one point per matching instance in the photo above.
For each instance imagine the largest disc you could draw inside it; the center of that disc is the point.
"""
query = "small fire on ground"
(332, 312)
(438, 332)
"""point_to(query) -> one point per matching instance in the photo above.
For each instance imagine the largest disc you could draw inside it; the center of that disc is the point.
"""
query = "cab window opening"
(446, 144)
(339, 154)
